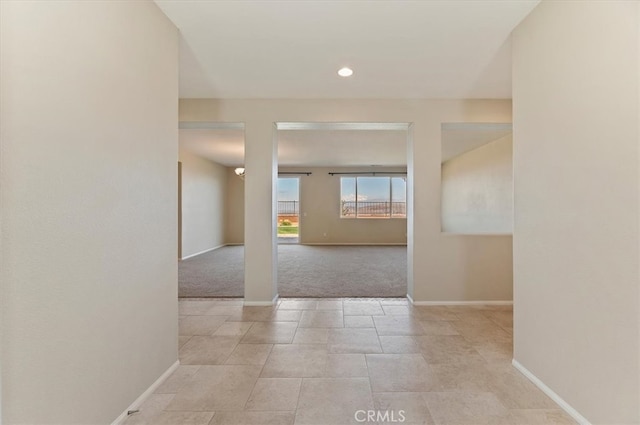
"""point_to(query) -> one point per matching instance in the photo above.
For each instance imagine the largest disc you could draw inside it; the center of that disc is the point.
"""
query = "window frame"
(390, 201)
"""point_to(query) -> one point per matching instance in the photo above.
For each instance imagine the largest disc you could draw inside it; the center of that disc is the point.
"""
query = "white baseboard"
(203, 252)
(458, 303)
(552, 395)
(351, 244)
(274, 301)
(410, 300)
(145, 395)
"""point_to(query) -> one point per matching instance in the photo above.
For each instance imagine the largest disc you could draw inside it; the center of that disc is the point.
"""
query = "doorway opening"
(288, 210)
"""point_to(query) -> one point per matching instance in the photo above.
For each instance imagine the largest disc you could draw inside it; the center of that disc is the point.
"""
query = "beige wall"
(477, 190)
(204, 193)
(575, 91)
(89, 188)
(441, 267)
(320, 213)
(234, 228)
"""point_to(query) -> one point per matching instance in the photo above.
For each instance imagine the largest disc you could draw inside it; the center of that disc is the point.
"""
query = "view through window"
(373, 197)
(288, 209)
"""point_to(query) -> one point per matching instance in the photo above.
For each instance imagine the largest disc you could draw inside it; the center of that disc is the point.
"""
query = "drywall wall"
(477, 190)
(430, 278)
(204, 193)
(320, 221)
(575, 102)
(89, 192)
(234, 228)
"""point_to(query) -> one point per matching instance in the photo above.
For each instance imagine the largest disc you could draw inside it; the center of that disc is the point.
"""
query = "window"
(373, 197)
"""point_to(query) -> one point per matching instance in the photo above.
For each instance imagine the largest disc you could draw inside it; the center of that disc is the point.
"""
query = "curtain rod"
(370, 172)
(296, 173)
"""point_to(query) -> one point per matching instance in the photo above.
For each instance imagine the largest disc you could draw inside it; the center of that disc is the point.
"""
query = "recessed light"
(345, 72)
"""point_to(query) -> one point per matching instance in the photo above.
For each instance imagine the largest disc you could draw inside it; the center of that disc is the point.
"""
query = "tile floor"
(331, 361)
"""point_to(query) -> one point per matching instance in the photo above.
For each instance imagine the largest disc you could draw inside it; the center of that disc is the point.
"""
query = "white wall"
(204, 192)
(477, 190)
(89, 188)
(234, 205)
(441, 267)
(575, 94)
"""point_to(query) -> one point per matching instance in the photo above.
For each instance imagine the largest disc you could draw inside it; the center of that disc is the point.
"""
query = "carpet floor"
(303, 271)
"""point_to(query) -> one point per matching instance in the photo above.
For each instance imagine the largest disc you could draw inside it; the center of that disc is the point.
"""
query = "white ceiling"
(398, 49)
(308, 148)
(458, 138)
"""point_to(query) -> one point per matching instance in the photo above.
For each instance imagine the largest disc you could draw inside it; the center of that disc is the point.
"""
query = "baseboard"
(274, 301)
(145, 395)
(459, 303)
(552, 395)
(203, 252)
(351, 244)
(410, 300)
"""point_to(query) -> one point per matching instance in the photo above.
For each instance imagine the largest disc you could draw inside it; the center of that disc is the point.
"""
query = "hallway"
(331, 361)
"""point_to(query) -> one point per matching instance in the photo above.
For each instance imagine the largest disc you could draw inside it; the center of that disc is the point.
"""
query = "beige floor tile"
(221, 309)
(270, 333)
(287, 316)
(298, 305)
(328, 401)
(362, 308)
(253, 314)
(177, 380)
(504, 319)
(478, 332)
(464, 408)
(253, 418)
(207, 350)
(150, 409)
(311, 336)
(438, 349)
(330, 305)
(410, 407)
(321, 319)
(182, 340)
(398, 310)
(295, 361)
(358, 322)
(233, 329)
(346, 366)
(399, 345)
(438, 327)
(495, 352)
(534, 417)
(515, 390)
(274, 394)
(199, 325)
(216, 388)
(434, 313)
(182, 418)
(474, 377)
(400, 372)
(194, 307)
(354, 340)
(398, 325)
(249, 354)
(394, 301)
(230, 301)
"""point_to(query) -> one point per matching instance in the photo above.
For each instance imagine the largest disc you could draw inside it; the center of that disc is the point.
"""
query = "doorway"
(288, 210)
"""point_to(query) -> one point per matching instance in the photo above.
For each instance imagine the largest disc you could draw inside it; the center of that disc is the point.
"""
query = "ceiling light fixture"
(345, 72)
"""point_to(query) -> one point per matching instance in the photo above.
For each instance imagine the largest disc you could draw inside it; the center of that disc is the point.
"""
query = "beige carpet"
(303, 271)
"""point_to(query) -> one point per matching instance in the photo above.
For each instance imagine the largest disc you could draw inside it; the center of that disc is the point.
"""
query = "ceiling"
(309, 148)
(398, 49)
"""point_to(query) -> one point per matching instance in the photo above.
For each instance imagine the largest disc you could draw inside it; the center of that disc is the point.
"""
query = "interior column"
(260, 242)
